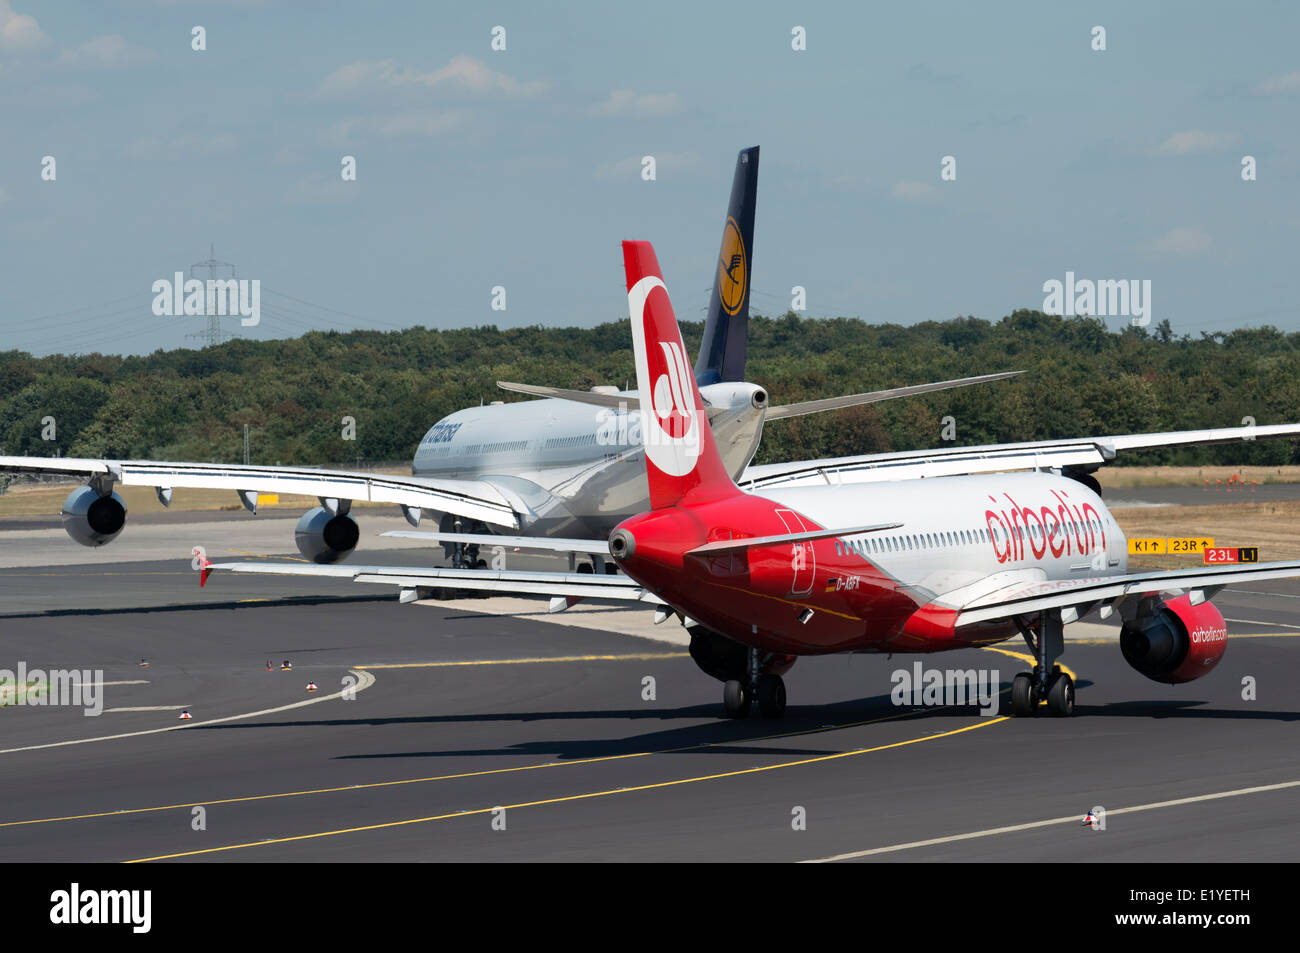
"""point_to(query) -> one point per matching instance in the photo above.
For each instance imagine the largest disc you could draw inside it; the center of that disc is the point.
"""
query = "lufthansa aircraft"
(896, 565)
(549, 467)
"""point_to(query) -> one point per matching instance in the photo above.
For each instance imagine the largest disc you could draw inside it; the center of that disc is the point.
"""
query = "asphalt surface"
(1119, 497)
(551, 723)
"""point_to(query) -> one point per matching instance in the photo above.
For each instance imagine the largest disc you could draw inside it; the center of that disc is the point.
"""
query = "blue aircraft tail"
(722, 351)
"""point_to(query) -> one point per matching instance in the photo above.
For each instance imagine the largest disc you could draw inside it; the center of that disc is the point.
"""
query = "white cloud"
(629, 169)
(626, 102)
(1183, 242)
(19, 31)
(1194, 142)
(105, 52)
(913, 191)
(463, 72)
(1280, 85)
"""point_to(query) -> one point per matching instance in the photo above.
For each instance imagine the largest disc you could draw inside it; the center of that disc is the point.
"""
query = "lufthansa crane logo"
(733, 269)
(670, 424)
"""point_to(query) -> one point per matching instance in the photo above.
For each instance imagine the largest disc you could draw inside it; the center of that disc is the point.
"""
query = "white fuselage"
(578, 470)
(986, 530)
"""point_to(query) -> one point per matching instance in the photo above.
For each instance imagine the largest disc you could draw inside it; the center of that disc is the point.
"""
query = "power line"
(213, 334)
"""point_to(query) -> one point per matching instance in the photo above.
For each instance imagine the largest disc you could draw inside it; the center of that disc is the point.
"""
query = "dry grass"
(1273, 527)
(1194, 476)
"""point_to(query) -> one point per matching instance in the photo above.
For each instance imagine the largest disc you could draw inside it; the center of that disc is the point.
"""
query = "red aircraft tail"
(682, 460)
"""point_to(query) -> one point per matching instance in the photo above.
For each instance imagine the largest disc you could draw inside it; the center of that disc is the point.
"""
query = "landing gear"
(1047, 682)
(735, 700)
(1060, 695)
(771, 696)
(740, 694)
(1024, 696)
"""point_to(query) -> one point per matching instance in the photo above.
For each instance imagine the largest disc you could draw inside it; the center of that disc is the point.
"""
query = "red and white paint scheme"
(760, 576)
(962, 561)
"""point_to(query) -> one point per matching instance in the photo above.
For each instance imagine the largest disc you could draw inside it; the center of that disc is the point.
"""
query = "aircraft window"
(837, 548)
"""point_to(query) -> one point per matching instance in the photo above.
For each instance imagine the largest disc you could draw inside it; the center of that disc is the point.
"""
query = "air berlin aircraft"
(922, 565)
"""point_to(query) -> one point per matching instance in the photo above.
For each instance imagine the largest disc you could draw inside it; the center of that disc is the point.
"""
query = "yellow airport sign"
(1146, 547)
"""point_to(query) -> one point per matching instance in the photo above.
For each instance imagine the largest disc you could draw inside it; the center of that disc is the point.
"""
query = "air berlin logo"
(669, 419)
(670, 401)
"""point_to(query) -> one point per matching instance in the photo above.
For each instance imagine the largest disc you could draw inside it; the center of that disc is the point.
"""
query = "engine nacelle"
(91, 519)
(325, 537)
(1178, 642)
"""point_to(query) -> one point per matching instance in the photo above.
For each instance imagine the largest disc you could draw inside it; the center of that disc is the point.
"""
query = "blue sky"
(521, 168)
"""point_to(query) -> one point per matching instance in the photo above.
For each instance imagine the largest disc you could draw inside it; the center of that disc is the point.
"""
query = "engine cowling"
(325, 537)
(1176, 642)
(92, 519)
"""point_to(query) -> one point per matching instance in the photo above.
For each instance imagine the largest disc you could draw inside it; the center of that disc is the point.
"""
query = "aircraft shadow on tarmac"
(1179, 708)
(714, 736)
(294, 601)
(725, 736)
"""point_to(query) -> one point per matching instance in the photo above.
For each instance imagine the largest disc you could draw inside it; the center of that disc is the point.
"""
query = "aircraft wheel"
(1060, 695)
(735, 700)
(1024, 696)
(771, 696)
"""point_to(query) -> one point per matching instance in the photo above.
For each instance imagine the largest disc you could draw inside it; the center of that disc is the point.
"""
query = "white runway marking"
(364, 681)
(149, 708)
(1076, 819)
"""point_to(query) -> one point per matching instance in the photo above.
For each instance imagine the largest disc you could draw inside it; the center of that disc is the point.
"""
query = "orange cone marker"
(186, 716)
(311, 687)
(287, 666)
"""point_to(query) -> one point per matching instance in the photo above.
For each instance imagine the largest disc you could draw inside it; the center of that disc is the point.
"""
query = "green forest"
(1081, 379)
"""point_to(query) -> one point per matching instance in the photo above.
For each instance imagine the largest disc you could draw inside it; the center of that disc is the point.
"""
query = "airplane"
(566, 465)
(761, 578)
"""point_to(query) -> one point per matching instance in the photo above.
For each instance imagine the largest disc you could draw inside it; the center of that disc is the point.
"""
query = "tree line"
(1081, 379)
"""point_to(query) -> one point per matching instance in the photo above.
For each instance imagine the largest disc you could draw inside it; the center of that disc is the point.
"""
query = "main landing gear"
(1046, 683)
(768, 690)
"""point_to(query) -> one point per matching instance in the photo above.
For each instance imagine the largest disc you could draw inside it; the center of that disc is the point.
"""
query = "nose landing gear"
(738, 697)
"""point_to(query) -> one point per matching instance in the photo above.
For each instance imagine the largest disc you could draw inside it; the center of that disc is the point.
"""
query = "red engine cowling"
(1175, 641)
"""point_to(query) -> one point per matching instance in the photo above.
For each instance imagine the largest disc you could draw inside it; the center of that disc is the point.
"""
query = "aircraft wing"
(413, 578)
(1086, 452)
(593, 547)
(474, 499)
(1026, 598)
(783, 411)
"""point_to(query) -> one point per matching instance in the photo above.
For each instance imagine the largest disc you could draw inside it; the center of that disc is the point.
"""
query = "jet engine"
(92, 519)
(1173, 640)
(325, 537)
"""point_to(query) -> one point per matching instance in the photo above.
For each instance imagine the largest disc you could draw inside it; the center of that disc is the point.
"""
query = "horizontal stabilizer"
(730, 545)
(625, 402)
(853, 400)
